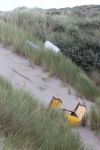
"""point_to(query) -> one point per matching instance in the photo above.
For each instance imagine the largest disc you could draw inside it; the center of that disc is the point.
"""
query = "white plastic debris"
(49, 45)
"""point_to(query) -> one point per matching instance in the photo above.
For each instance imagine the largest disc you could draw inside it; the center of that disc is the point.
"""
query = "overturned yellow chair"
(76, 117)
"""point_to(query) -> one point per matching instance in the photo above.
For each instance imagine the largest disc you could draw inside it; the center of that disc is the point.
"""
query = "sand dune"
(18, 71)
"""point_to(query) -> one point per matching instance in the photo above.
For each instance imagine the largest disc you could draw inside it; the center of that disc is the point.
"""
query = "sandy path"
(43, 87)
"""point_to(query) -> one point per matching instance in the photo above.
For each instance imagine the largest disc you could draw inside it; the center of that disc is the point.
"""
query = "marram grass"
(28, 125)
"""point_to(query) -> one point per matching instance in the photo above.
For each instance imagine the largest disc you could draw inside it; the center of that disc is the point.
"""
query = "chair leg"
(84, 121)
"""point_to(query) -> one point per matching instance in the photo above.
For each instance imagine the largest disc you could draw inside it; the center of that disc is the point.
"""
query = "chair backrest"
(80, 111)
(55, 103)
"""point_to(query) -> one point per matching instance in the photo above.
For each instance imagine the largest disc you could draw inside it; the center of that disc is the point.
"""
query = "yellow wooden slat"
(80, 112)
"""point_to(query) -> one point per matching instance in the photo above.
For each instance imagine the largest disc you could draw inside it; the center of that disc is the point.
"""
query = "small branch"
(22, 75)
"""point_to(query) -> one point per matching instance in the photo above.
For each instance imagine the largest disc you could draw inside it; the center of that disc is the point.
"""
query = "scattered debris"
(31, 44)
(47, 45)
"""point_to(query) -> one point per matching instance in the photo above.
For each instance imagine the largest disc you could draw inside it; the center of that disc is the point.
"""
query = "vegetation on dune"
(55, 63)
(75, 31)
(95, 117)
(29, 125)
